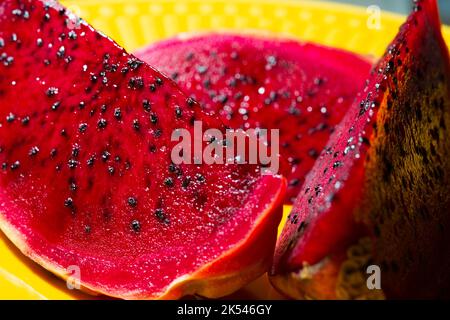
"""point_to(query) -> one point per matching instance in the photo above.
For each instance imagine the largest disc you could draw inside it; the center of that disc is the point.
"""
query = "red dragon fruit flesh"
(301, 89)
(87, 178)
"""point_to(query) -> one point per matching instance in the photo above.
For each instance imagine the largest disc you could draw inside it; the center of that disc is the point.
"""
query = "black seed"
(132, 202)
(10, 117)
(82, 127)
(202, 69)
(157, 133)
(72, 35)
(117, 113)
(93, 78)
(103, 108)
(46, 17)
(111, 170)
(61, 52)
(90, 161)
(25, 120)
(53, 153)
(222, 99)
(153, 118)
(152, 148)
(190, 102)
(136, 83)
(105, 156)
(136, 125)
(136, 226)
(87, 229)
(68, 203)
(68, 59)
(101, 124)
(134, 63)
(159, 213)
(4, 165)
(271, 61)
(294, 182)
(172, 168)
(318, 81)
(186, 183)
(75, 151)
(146, 105)
(337, 164)
(313, 153)
(178, 112)
(168, 182)
(158, 81)
(81, 105)
(15, 165)
(124, 70)
(8, 61)
(207, 83)
(33, 151)
(72, 163)
(72, 186)
(56, 105)
(189, 56)
(200, 177)
(52, 91)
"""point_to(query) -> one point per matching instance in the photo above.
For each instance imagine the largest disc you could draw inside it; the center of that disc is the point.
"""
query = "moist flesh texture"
(301, 89)
(87, 178)
(384, 178)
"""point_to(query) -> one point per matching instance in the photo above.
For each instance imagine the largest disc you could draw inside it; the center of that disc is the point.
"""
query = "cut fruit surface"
(87, 182)
(301, 89)
(384, 177)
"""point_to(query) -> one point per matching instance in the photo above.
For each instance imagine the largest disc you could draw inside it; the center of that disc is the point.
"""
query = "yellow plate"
(136, 23)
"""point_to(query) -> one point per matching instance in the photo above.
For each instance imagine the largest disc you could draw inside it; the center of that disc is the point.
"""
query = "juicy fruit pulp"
(301, 89)
(385, 174)
(87, 179)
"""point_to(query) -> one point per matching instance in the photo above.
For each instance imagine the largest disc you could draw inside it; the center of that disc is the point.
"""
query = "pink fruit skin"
(87, 179)
(302, 89)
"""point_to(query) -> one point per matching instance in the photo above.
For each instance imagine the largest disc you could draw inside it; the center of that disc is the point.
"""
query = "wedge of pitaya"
(301, 89)
(378, 195)
(87, 184)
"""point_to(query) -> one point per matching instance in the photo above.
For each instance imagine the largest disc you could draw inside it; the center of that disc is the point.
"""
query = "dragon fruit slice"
(378, 195)
(253, 82)
(87, 184)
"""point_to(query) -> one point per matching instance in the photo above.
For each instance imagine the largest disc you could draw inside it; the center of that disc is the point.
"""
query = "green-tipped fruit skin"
(384, 177)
